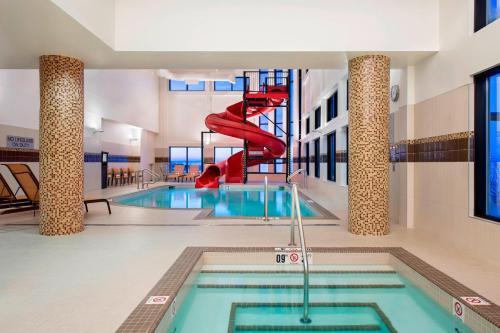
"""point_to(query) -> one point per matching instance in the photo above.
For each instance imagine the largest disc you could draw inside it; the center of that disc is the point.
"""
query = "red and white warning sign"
(290, 255)
(474, 300)
(458, 309)
(157, 300)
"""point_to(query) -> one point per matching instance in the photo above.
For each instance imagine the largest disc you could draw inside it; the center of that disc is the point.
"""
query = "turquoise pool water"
(224, 202)
(340, 302)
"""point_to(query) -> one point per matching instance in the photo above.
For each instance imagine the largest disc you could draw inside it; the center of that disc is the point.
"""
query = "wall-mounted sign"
(458, 309)
(290, 255)
(20, 142)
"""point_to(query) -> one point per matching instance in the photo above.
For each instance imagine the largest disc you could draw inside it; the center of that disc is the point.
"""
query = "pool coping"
(206, 213)
(146, 317)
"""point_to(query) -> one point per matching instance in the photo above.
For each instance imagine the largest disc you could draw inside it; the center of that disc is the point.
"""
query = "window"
(347, 96)
(178, 85)
(317, 118)
(332, 107)
(278, 122)
(223, 153)
(308, 125)
(317, 159)
(308, 157)
(264, 125)
(331, 167)
(186, 156)
(229, 86)
(487, 144)
(485, 12)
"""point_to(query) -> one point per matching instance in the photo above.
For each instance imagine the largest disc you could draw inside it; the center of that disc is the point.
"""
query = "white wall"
(98, 16)
(183, 115)
(126, 96)
(462, 52)
(314, 25)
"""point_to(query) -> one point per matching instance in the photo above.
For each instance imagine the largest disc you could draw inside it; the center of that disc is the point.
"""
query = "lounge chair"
(125, 175)
(177, 173)
(117, 176)
(194, 171)
(30, 186)
(9, 198)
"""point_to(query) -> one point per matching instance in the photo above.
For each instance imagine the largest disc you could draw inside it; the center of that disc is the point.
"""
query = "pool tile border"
(206, 213)
(232, 316)
(145, 318)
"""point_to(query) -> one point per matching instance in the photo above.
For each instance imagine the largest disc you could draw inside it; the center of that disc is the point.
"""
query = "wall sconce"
(97, 130)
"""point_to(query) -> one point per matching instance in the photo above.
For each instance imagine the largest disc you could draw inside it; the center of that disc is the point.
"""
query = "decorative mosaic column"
(61, 145)
(369, 145)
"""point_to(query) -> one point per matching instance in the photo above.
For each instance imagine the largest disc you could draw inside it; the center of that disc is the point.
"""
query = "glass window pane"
(263, 74)
(194, 156)
(317, 118)
(493, 10)
(264, 168)
(238, 84)
(279, 133)
(222, 86)
(493, 171)
(222, 154)
(200, 86)
(237, 149)
(177, 156)
(177, 85)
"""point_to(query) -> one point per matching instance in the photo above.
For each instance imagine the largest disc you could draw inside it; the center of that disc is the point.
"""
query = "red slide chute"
(260, 143)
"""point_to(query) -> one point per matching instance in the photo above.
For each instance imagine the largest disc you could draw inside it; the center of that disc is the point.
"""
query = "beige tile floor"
(90, 282)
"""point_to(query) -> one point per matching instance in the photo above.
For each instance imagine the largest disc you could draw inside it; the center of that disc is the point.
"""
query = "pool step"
(309, 328)
(258, 279)
(326, 317)
(299, 286)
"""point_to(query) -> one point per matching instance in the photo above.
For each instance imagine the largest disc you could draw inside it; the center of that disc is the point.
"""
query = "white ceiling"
(30, 28)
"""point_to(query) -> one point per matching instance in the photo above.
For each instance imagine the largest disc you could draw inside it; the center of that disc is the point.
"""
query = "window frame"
(186, 86)
(317, 117)
(332, 106)
(232, 84)
(481, 137)
(331, 140)
(186, 148)
(481, 15)
(308, 125)
(317, 158)
(232, 149)
(308, 158)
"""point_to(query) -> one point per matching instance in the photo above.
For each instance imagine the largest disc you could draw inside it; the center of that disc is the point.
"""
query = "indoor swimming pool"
(343, 298)
(227, 201)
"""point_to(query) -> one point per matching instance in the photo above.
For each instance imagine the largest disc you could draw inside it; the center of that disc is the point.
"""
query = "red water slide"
(262, 145)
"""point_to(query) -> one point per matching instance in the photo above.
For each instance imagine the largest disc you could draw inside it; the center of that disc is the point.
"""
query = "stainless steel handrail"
(295, 173)
(140, 174)
(305, 261)
(266, 200)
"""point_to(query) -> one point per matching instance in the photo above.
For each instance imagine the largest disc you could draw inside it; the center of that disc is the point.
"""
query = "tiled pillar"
(61, 145)
(369, 145)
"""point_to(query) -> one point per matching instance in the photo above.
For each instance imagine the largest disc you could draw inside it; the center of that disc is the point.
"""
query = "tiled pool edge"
(206, 213)
(484, 318)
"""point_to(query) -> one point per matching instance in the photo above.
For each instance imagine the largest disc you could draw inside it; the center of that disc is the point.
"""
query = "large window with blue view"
(186, 156)
(223, 153)
(180, 85)
(487, 144)
(332, 107)
(485, 12)
(230, 86)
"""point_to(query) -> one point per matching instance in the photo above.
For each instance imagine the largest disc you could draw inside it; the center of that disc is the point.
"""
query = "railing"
(305, 261)
(139, 175)
(266, 200)
(295, 173)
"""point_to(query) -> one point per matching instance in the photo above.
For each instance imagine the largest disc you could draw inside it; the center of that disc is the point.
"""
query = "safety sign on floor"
(290, 255)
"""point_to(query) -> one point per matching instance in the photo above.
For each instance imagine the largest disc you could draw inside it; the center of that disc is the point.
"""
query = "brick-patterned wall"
(369, 145)
(61, 145)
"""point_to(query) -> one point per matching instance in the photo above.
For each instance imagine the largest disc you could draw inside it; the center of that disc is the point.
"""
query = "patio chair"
(9, 198)
(194, 171)
(29, 184)
(177, 173)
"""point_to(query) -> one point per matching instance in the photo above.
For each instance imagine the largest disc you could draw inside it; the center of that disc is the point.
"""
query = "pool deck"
(91, 282)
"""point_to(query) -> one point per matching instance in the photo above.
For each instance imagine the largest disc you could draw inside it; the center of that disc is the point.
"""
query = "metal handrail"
(295, 173)
(266, 200)
(141, 173)
(305, 261)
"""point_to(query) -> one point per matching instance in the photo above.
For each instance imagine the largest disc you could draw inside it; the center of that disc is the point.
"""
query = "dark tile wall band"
(455, 147)
(32, 155)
